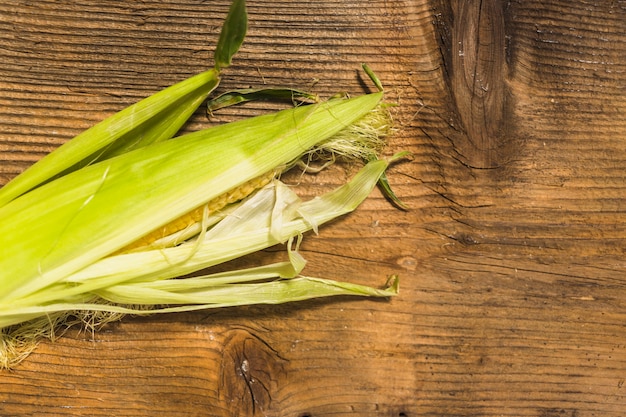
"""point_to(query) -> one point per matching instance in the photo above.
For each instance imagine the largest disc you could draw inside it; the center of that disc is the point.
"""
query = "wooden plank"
(511, 258)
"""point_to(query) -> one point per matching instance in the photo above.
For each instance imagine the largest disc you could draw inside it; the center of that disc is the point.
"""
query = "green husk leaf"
(231, 98)
(232, 35)
(153, 119)
(370, 73)
(273, 292)
(383, 182)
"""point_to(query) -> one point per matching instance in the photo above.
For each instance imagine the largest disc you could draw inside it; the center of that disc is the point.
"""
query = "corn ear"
(77, 229)
(59, 242)
(107, 206)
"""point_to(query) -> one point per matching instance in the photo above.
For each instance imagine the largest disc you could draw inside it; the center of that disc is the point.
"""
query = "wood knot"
(476, 65)
(249, 373)
(466, 239)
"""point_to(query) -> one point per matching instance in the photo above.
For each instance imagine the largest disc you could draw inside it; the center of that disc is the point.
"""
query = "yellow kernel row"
(196, 214)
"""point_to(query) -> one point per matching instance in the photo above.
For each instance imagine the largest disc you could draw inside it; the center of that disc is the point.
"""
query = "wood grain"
(513, 292)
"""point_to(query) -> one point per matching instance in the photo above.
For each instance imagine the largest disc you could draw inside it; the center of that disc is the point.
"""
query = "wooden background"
(512, 257)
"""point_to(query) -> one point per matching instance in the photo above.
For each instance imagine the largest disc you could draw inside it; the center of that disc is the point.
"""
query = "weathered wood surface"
(512, 257)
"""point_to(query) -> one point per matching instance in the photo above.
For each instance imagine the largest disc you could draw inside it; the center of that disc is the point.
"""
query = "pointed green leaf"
(232, 35)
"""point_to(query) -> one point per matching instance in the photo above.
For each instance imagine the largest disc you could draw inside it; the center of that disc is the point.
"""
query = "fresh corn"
(78, 229)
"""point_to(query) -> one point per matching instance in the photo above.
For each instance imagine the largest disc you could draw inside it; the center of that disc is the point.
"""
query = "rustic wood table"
(511, 257)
